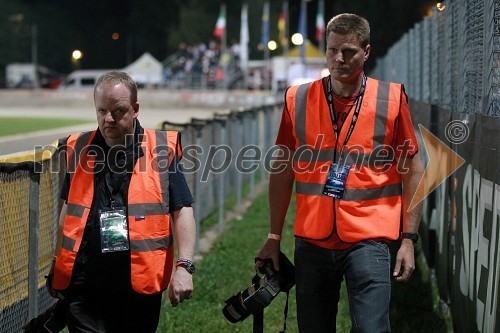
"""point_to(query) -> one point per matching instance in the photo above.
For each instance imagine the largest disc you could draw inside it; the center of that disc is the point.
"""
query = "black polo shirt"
(98, 272)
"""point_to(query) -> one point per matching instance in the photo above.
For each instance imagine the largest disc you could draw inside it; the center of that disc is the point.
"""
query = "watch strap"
(187, 264)
(409, 235)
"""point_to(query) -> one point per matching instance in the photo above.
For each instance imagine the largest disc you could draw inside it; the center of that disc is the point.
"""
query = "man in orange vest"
(123, 192)
(350, 149)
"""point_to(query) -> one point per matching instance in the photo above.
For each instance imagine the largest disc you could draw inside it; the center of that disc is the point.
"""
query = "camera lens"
(234, 310)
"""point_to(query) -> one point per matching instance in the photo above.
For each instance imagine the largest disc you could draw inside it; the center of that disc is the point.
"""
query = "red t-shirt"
(342, 106)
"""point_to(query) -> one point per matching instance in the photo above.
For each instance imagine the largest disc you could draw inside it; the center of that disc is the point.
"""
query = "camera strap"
(285, 312)
(258, 317)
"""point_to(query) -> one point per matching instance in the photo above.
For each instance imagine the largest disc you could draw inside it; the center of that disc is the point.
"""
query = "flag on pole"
(282, 27)
(320, 22)
(303, 29)
(244, 38)
(265, 25)
(220, 25)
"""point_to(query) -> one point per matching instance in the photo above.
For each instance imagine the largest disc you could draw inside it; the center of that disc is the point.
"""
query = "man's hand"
(271, 249)
(405, 261)
(181, 286)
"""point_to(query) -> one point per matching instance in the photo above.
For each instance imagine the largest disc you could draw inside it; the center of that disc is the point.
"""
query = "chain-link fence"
(222, 154)
(29, 207)
(450, 65)
(451, 59)
(223, 160)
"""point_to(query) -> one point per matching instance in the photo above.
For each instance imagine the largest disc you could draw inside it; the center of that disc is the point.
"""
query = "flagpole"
(303, 32)
(285, 45)
(321, 9)
(244, 37)
(264, 41)
(224, 47)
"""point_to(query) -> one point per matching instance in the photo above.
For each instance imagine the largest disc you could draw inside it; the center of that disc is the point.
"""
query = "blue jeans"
(319, 274)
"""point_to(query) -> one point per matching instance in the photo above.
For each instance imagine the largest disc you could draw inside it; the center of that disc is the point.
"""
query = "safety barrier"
(450, 66)
(223, 153)
(28, 216)
(30, 205)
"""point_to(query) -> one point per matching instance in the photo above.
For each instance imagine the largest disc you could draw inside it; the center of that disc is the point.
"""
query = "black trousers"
(110, 313)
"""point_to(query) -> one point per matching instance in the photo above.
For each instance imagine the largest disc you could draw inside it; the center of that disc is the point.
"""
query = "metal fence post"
(252, 141)
(239, 181)
(262, 126)
(221, 119)
(198, 125)
(33, 244)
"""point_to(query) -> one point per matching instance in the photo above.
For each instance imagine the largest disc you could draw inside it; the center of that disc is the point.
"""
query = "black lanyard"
(359, 100)
(113, 186)
(114, 181)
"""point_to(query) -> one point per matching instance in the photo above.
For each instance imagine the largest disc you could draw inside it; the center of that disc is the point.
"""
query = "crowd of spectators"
(203, 64)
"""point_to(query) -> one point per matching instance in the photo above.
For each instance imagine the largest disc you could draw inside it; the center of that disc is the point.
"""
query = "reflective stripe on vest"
(368, 196)
(352, 194)
(150, 236)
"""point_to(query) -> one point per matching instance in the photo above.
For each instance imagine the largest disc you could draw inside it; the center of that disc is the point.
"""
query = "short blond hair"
(116, 77)
(345, 24)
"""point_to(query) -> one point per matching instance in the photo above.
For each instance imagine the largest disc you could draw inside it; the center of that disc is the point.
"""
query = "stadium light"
(297, 39)
(272, 45)
(77, 55)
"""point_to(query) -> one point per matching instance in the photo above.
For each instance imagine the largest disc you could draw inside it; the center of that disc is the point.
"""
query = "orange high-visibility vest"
(150, 234)
(371, 204)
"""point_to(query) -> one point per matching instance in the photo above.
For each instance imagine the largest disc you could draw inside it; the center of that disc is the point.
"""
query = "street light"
(272, 45)
(77, 55)
(297, 39)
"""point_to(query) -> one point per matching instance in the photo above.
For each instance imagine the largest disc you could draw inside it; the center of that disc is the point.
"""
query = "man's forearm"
(280, 193)
(185, 232)
(411, 179)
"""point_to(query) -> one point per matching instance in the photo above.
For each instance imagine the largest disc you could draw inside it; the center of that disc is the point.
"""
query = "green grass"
(229, 204)
(228, 268)
(18, 125)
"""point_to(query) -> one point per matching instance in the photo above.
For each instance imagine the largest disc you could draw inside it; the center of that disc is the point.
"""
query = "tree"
(15, 35)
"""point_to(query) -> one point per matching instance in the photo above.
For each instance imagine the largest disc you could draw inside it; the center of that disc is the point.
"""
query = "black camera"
(263, 290)
(51, 321)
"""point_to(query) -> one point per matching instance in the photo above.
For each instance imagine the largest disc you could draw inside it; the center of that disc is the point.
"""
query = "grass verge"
(18, 125)
(228, 268)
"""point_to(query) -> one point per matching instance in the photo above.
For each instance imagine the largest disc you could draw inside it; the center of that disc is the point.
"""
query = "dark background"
(158, 26)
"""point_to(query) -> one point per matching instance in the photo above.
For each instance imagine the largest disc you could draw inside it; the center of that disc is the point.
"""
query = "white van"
(83, 78)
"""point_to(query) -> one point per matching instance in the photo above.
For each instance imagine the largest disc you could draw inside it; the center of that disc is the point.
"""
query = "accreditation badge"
(335, 182)
(114, 230)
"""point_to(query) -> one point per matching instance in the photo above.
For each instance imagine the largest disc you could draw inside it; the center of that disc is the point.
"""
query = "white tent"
(146, 70)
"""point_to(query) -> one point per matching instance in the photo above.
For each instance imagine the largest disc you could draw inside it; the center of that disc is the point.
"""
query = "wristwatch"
(408, 235)
(187, 264)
